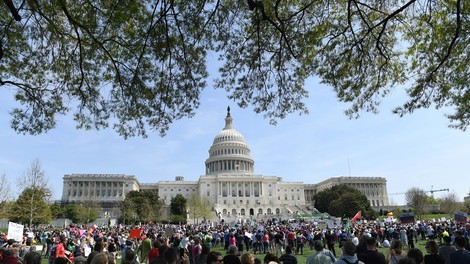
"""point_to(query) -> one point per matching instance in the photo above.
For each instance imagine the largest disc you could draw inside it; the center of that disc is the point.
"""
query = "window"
(208, 193)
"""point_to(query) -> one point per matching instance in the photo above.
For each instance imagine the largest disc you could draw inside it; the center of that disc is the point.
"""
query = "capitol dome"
(229, 152)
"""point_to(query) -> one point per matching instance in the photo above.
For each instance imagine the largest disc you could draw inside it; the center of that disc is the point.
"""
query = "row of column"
(233, 189)
(93, 188)
(229, 165)
(374, 189)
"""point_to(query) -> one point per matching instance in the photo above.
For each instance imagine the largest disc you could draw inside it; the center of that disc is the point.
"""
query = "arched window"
(278, 211)
(269, 211)
(242, 211)
(260, 211)
(234, 212)
(224, 211)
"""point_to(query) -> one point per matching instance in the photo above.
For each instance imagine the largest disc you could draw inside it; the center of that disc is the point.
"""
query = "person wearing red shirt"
(60, 249)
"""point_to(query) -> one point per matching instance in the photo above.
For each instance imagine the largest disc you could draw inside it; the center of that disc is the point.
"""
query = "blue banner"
(406, 218)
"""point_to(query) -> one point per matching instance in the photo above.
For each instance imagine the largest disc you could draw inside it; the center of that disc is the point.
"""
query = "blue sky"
(418, 150)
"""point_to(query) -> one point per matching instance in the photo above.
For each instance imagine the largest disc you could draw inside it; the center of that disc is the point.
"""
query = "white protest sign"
(15, 231)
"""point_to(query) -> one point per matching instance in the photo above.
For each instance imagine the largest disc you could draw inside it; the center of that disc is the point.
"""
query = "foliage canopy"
(137, 65)
(140, 207)
(178, 205)
(342, 200)
(31, 207)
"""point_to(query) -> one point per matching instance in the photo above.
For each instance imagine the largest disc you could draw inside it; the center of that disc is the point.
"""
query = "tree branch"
(13, 10)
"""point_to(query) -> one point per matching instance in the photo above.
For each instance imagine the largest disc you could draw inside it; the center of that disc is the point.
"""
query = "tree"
(466, 206)
(56, 210)
(140, 207)
(84, 213)
(450, 203)
(205, 208)
(142, 64)
(34, 188)
(5, 194)
(342, 200)
(199, 207)
(31, 211)
(416, 199)
(178, 205)
(192, 207)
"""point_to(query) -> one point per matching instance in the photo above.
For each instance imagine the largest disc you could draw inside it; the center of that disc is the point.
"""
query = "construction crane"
(432, 191)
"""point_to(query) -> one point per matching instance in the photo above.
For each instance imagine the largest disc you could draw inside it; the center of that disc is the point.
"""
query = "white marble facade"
(230, 183)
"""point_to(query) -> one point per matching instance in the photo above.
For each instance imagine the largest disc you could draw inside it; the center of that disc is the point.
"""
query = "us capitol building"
(230, 183)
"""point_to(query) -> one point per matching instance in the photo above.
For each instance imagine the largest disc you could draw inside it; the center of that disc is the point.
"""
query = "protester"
(396, 252)
(321, 255)
(416, 255)
(232, 256)
(461, 255)
(214, 257)
(288, 257)
(349, 254)
(446, 249)
(372, 256)
(248, 258)
(433, 257)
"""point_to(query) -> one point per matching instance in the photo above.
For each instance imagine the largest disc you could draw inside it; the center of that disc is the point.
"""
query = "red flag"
(357, 216)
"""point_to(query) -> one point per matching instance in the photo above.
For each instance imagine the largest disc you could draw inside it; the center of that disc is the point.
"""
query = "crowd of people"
(279, 242)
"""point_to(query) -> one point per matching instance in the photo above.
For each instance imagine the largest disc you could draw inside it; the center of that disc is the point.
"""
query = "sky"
(418, 150)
